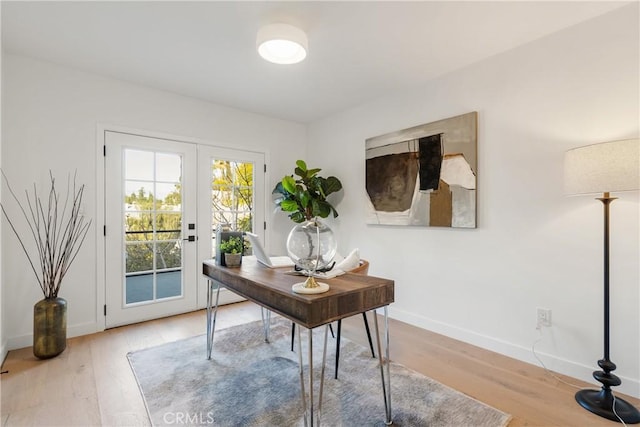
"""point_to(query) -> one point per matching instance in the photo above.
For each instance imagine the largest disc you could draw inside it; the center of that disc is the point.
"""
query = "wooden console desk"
(350, 294)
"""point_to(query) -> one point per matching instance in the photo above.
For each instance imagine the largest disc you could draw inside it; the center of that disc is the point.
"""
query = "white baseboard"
(23, 341)
(3, 352)
(630, 386)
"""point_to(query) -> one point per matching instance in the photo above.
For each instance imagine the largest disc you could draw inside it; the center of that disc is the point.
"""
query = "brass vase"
(49, 327)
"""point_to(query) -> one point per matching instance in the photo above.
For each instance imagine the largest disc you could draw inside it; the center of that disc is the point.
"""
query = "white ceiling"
(358, 51)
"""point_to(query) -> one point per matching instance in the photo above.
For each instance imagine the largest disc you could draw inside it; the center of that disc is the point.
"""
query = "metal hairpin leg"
(386, 384)
(211, 315)
(266, 322)
(301, 371)
(309, 416)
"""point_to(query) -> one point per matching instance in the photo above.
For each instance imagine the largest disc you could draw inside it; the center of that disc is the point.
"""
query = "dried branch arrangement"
(58, 230)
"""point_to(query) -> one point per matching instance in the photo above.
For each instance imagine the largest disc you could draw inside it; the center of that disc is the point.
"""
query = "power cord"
(533, 350)
(614, 410)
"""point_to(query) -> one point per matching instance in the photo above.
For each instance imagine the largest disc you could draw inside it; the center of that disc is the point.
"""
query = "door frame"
(101, 129)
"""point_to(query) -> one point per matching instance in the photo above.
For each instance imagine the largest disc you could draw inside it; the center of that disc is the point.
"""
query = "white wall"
(50, 121)
(3, 340)
(533, 246)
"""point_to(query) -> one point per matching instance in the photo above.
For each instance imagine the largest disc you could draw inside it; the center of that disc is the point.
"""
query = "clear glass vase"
(312, 246)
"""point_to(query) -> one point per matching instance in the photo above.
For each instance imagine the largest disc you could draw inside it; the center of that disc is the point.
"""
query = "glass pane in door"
(232, 196)
(152, 226)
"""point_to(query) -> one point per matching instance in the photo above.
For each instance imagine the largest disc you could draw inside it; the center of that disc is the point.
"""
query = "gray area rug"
(249, 382)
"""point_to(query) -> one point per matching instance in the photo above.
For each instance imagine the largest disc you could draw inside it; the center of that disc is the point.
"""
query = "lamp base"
(600, 402)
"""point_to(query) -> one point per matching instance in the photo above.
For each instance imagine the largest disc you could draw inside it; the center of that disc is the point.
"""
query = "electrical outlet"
(544, 317)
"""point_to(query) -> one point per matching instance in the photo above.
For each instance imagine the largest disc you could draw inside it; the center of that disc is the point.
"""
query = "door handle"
(191, 238)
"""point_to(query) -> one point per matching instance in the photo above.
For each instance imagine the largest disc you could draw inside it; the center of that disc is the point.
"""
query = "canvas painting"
(425, 175)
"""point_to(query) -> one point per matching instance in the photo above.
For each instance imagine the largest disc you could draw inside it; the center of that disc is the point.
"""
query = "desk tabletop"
(349, 293)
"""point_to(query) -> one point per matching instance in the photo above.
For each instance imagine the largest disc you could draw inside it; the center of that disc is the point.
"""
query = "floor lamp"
(605, 168)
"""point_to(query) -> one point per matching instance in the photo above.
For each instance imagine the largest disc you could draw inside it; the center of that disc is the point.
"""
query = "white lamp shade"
(600, 168)
(282, 44)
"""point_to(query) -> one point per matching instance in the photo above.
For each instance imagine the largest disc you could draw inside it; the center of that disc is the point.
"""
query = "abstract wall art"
(425, 175)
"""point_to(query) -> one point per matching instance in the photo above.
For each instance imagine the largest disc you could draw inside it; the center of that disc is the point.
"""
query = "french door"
(163, 201)
(150, 196)
(231, 194)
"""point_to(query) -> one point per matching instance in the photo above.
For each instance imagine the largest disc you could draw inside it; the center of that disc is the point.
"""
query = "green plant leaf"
(298, 217)
(289, 205)
(289, 184)
(332, 185)
(302, 174)
(321, 208)
(312, 172)
(232, 245)
(316, 184)
(305, 198)
(278, 189)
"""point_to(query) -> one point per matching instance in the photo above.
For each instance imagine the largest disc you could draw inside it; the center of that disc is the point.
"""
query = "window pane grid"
(232, 195)
(153, 226)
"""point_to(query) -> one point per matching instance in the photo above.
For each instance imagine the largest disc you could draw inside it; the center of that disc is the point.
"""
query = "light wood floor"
(91, 383)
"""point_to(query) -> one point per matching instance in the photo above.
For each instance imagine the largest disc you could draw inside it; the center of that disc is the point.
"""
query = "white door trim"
(101, 129)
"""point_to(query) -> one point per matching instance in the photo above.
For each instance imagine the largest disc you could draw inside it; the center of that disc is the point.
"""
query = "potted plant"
(311, 243)
(232, 248)
(305, 198)
(58, 230)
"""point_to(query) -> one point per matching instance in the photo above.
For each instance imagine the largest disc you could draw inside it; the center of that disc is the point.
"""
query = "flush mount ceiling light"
(282, 44)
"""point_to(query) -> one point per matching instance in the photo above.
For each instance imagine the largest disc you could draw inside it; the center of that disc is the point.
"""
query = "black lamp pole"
(601, 402)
